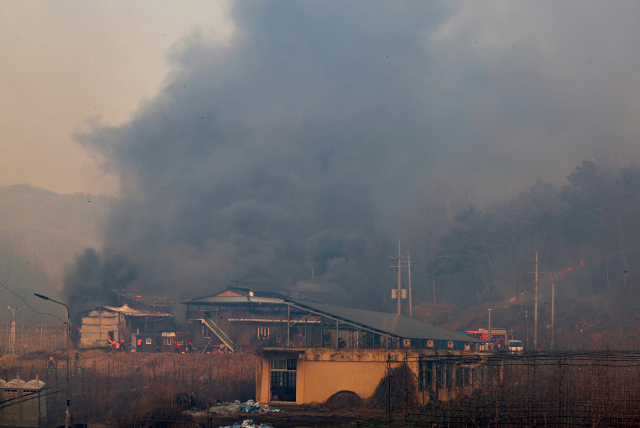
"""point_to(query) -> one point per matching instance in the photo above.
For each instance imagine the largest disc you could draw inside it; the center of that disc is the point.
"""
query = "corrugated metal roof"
(334, 298)
(126, 310)
(144, 299)
(397, 325)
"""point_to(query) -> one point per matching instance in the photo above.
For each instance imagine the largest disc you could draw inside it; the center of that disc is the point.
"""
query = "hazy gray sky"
(66, 63)
(516, 90)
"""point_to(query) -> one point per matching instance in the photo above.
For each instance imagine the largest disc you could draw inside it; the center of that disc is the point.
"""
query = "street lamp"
(67, 416)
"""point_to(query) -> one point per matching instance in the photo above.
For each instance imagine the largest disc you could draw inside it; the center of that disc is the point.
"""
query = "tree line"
(586, 234)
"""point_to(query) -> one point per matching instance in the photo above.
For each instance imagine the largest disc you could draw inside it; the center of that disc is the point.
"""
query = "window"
(440, 382)
(448, 368)
(263, 332)
(426, 375)
(181, 342)
(283, 379)
(206, 332)
(459, 377)
(167, 341)
(148, 341)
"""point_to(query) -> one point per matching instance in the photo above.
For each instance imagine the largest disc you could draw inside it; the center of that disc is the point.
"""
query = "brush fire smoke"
(300, 144)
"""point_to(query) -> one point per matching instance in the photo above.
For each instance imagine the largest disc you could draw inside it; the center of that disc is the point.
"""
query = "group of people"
(118, 346)
(52, 363)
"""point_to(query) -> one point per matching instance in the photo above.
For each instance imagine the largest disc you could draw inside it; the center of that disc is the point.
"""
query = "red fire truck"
(499, 336)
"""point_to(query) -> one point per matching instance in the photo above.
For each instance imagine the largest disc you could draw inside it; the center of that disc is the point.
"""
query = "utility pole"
(553, 312)
(490, 346)
(400, 293)
(535, 310)
(409, 266)
(535, 320)
(399, 279)
(526, 317)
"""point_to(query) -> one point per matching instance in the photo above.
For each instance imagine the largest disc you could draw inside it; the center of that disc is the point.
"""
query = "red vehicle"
(499, 336)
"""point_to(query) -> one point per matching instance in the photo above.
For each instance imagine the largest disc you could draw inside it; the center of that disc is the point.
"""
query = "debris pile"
(238, 407)
(248, 424)
(253, 407)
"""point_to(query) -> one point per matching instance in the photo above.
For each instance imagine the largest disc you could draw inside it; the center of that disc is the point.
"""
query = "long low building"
(256, 313)
(305, 375)
(311, 349)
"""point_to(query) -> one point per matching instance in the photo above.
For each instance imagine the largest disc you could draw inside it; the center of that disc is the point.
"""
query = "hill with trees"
(586, 235)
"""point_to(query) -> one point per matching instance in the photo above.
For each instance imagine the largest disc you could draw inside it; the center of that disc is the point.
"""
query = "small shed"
(149, 341)
(104, 322)
(27, 406)
(97, 326)
(169, 339)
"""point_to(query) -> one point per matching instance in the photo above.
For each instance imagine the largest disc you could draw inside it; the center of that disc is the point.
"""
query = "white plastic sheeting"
(247, 424)
(238, 407)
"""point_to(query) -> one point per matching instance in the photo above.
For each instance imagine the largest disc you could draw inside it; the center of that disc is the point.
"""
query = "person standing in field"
(51, 363)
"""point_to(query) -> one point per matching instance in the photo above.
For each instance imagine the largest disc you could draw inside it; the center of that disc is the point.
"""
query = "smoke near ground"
(302, 144)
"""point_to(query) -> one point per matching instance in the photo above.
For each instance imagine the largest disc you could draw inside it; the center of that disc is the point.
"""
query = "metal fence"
(28, 338)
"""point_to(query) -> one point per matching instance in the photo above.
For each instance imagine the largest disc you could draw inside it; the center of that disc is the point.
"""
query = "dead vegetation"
(344, 400)
(108, 385)
(396, 390)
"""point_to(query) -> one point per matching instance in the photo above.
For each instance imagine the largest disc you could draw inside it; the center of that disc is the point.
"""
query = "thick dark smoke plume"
(301, 144)
(261, 160)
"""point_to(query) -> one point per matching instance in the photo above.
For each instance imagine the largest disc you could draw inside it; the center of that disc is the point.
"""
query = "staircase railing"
(221, 334)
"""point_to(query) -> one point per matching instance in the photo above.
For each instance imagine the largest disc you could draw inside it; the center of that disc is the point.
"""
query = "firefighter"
(77, 355)
(51, 364)
(190, 348)
(177, 347)
(139, 345)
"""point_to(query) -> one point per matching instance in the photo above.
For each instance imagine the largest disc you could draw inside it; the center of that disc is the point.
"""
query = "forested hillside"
(586, 234)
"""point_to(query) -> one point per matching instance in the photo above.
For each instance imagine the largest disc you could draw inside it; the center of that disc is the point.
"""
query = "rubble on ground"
(226, 408)
(253, 407)
(238, 407)
(248, 423)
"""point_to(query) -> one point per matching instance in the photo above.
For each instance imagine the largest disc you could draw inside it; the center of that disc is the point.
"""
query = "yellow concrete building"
(305, 375)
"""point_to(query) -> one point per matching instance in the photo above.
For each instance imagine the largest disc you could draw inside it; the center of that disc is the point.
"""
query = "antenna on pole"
(12, 339)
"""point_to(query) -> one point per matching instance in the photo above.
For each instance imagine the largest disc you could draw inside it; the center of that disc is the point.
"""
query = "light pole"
(490, 343)
(67, 416)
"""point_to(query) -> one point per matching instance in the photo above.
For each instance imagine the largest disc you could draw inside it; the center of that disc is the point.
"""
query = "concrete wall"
(321, 372)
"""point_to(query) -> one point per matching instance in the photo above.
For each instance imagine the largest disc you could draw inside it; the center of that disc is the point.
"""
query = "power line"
(22, 298)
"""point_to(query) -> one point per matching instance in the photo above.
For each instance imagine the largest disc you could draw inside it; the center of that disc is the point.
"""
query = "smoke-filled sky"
(262, 140)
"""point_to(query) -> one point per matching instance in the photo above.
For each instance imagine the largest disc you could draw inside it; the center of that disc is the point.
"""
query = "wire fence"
(116, 386)
(574, 389)
(571, 389)
(29, 338)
